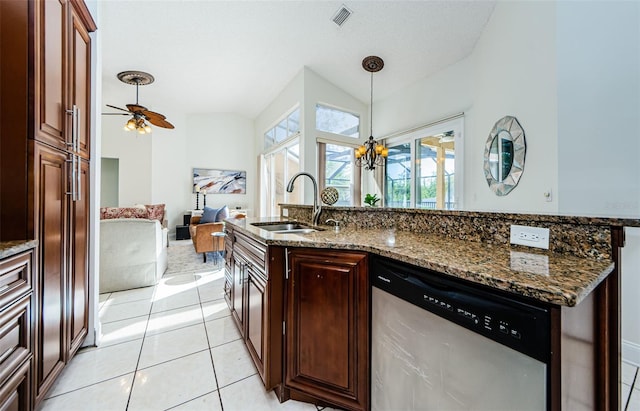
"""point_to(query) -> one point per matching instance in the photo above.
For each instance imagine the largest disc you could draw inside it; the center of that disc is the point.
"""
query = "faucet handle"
(336, 224)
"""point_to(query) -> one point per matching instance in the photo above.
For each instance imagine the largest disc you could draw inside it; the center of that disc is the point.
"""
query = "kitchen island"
(577, 289)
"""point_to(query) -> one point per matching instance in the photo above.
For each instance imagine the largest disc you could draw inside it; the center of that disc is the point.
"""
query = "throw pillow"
(156, 211)
(209, 215)
(222, 214)
(124, 212)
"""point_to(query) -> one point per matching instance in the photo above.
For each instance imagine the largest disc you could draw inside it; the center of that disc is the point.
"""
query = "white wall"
(220, 141)
(598, 48)
(134, 153)
(599, 107)
(510, 72)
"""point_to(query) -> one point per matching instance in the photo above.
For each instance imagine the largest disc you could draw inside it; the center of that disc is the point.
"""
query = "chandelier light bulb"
(131, 124)
(379, 149)
(147, 128)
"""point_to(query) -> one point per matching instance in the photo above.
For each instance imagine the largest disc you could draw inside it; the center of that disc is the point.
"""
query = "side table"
(182, 232)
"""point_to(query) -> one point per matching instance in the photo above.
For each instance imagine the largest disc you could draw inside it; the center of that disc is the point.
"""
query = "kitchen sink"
(280, 227)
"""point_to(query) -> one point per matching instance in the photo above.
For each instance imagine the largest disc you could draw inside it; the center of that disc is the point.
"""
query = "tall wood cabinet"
(45, 145)
(61, 163)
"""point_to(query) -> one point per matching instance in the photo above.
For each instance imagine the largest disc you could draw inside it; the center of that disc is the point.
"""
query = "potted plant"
(371, 200)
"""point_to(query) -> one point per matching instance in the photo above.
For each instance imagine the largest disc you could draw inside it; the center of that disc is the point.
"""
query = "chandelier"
(371, 154)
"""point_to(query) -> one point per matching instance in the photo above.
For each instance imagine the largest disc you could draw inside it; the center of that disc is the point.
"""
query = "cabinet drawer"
(15, 277)
(252, 250)
(15, 337)
(15, 393)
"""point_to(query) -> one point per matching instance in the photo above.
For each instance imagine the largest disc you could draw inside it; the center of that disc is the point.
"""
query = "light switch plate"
(530, 236)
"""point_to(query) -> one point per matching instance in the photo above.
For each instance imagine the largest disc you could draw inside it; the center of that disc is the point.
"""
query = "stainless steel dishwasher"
(438, 343)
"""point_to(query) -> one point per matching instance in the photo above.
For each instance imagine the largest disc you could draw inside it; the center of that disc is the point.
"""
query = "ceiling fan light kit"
(140, 114)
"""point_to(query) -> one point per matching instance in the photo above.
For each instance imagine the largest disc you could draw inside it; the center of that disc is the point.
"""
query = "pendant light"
(371, 154)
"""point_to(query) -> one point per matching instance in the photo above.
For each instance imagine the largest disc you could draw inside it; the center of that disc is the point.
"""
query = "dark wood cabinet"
(78, 273)
(63, 75)
(237, 291)
(327, 325)
(257, 314)
(60, 151)
(255, 298)
(16, 338)
(45, 144)
(51, 222)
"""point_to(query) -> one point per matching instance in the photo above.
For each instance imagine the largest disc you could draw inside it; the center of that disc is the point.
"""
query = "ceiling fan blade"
(159, 122)
(136, 108)
(153, 114)
(116, 114)
(117, 108)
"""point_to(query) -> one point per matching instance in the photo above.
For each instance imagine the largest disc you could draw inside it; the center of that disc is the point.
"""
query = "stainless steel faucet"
(317, 208)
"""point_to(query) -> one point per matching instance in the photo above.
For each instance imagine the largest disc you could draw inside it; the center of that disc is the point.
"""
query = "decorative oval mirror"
(504, 155)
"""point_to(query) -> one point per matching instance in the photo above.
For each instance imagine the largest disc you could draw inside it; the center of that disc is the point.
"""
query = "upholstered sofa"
(133, 250)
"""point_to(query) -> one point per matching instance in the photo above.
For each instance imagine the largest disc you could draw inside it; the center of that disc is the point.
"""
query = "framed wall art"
(214, 181)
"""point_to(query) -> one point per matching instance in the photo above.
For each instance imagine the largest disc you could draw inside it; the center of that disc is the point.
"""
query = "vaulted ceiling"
(236, 56)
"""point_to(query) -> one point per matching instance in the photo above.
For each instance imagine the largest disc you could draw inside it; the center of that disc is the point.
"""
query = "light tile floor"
(171, 346)
(630, 387)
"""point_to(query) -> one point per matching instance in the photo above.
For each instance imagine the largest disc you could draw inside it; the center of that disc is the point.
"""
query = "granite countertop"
(559, 279)
(11, 248)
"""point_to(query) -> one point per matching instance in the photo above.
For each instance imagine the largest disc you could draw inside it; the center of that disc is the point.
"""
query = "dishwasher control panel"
(509, 321)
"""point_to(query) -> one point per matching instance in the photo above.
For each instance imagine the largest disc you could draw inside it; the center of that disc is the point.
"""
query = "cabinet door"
(228, 267)
(51, 222)
(256, 318)
(50, 80)
(327, 327)
(78, 277)
(80, 81)
(237, 292)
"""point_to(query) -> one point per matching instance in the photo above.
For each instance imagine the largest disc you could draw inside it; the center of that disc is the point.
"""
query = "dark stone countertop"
(559, 279)
(11, 248)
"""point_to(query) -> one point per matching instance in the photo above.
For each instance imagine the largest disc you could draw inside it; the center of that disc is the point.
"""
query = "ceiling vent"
(341, 15)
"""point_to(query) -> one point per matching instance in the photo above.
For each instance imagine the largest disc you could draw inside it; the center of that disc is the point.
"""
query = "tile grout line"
(146, 326)
(633, 384)
(206, 333)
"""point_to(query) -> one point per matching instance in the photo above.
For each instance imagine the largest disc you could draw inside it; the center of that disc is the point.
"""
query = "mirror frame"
(511, 125)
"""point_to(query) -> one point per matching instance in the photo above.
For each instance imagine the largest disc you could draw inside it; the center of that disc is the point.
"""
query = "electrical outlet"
(530, 236)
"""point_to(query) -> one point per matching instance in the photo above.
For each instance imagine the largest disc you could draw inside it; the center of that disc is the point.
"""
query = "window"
(336, 121)
(337, 169)
(286, 128)
(435, 174)
(278, 167)
(420, 171)
(398, 176)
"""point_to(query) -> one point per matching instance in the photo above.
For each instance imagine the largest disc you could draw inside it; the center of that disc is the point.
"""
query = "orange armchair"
(202, 239)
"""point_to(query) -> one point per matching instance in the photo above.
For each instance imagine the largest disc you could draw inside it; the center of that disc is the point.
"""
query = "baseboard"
(631, 353)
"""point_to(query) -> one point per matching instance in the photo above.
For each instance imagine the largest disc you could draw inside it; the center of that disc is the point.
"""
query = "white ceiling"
(236, 56)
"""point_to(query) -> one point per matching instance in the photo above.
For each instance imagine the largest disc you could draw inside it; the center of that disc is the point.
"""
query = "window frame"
(412, 137)
(356, 177)
(337, 108)
(274, 127)
(269, 185)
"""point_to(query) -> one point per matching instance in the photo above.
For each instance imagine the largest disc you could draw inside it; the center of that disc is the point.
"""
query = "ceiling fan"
(139, 114)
